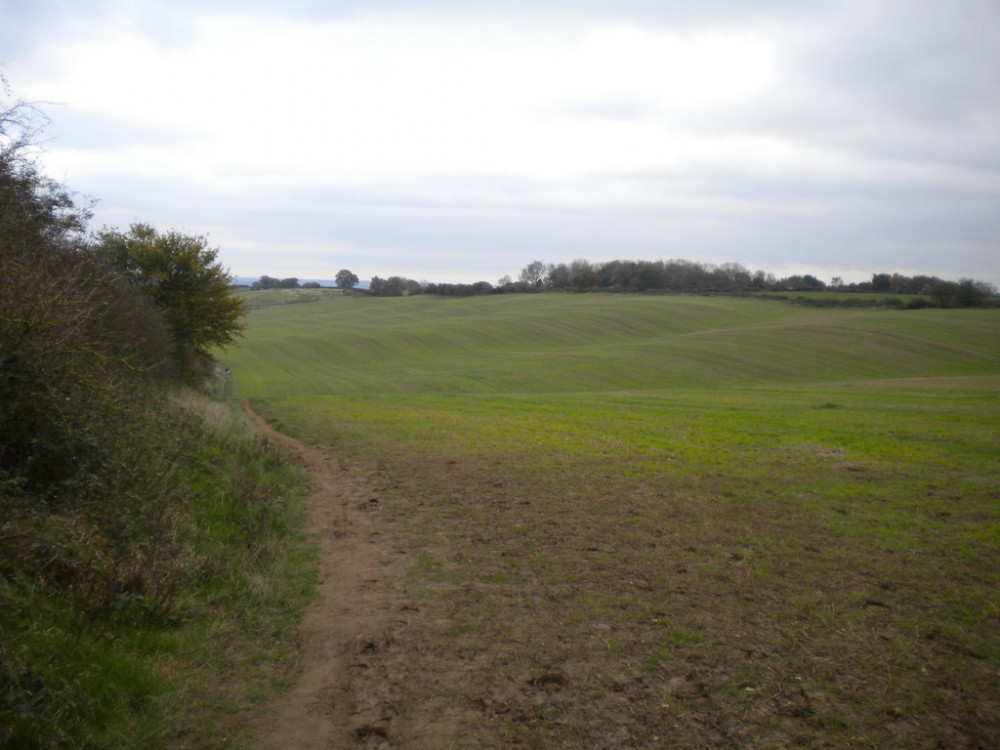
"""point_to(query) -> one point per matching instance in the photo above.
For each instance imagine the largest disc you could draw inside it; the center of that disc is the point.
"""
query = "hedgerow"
(125, 518)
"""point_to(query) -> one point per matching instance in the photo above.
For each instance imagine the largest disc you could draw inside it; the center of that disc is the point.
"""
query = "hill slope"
(557, 343)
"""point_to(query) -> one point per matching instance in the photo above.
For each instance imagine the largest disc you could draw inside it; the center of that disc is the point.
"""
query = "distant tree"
(881, 282)
(944, 293)
(762, 280)
(396, 286)
(685, 276)
(732, 277)
(557, 276)
(269, 282)
(648, 276)
(482, 287)
(183, 277)
(582, 275)
(345, 279)
(533, 274)
(265, 282)
(617, 275)
(973, 293)
(807, 283)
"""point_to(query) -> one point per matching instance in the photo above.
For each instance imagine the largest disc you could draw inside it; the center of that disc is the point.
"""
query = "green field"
(697, 521)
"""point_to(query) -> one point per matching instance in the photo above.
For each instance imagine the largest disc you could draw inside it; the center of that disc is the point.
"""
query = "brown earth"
(351, 688)
(614, 633)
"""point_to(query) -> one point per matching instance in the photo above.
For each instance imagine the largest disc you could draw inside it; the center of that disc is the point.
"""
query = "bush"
(120, 508)
(186, 532)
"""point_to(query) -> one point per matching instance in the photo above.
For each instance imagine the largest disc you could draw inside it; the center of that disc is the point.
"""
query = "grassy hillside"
(712, 522)
(556, 343)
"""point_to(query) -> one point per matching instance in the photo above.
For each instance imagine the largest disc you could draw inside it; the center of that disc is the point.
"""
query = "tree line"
(344, 279)
(686, 276)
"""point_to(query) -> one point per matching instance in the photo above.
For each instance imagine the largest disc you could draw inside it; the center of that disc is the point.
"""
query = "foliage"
(269, 282)
(690, 276)
(964, 293)
(123, 517)
(460, 290)
(346, 279)
(394, 286)
(75, 342)
(182, 276)
(533, 274)
(118, 599)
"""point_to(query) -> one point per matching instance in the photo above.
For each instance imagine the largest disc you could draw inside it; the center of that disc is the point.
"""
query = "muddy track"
(335, 702)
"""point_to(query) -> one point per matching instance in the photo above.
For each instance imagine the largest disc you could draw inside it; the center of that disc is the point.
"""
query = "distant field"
(271, 297)
(705, 521)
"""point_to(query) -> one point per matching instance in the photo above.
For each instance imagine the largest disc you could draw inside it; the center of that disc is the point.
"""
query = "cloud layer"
(455, 141)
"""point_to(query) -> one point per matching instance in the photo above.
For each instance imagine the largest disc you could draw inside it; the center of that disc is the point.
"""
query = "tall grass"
(152, 631)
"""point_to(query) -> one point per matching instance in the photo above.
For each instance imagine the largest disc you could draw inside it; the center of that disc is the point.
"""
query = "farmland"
(660, 521)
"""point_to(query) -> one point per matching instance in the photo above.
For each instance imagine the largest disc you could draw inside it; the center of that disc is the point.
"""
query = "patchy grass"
(692, 522)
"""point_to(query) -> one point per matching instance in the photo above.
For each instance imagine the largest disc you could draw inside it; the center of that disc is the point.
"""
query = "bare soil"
(613, 634)
(334, 702)
(357, 651)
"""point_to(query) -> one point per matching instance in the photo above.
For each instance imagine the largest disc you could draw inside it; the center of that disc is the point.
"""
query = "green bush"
(126, 518)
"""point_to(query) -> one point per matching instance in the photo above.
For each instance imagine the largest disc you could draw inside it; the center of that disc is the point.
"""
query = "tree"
(557, 276)
(533, 273)
(269, 282)
(186, 282)
(807, 283)
(582, 275)
(345, 279)
(881, 282)
(973, 293)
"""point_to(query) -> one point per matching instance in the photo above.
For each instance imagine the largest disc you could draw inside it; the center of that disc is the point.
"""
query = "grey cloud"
(389, 231)
(895, 83)
(932, 62)
(883, 84)
(925, 72)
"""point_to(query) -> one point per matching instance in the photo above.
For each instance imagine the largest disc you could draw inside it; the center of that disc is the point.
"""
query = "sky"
(460, 140)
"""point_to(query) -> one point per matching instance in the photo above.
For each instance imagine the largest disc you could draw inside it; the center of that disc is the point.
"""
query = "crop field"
(665, 521)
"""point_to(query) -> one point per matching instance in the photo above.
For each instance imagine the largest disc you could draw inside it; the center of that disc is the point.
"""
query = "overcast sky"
(459, 140)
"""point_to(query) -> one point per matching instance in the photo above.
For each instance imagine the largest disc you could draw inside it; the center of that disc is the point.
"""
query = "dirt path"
(333, 704)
